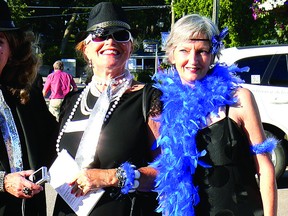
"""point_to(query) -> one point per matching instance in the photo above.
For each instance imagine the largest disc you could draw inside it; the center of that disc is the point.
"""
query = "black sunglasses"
(119, 36)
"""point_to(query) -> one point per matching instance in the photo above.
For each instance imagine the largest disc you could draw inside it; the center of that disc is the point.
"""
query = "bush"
(143, 76)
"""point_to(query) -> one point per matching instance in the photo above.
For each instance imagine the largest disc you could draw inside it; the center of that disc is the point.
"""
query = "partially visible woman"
(25, 121)
(104, 127)
(211, 133)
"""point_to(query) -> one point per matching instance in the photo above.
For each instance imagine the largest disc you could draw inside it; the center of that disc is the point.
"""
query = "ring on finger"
(81, 187)
(27, 191)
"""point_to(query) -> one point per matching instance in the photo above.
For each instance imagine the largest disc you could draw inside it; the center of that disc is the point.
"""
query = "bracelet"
(127, 176)
(2, 177)
(267, 146)
(121, 176)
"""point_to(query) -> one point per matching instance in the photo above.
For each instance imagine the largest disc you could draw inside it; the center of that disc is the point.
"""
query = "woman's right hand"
(14, 183)
(92, 179)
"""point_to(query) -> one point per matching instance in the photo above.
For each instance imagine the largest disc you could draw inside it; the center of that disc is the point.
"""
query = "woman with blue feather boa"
(214, 149)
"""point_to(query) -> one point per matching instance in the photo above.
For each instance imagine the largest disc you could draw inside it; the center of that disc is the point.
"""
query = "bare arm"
(148, 174)
(73, 85)
(44, 93)
(46, 87)
(251, 122)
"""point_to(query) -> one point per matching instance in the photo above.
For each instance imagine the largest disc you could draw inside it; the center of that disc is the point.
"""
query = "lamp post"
(215, 14)
(156, 59)
(172, 13)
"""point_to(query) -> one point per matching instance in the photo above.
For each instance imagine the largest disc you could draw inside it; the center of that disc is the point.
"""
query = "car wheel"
(278, 156)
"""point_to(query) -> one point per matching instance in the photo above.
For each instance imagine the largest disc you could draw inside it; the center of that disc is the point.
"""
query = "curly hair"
(21, 69)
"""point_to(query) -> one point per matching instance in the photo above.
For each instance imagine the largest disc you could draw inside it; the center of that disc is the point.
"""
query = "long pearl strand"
(82, 100)
(68, 120)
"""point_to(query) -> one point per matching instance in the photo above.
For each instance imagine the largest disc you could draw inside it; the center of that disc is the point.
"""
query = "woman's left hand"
(17, 184)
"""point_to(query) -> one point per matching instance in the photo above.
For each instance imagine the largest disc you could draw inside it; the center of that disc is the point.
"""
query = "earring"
(211, 66)
(90, 65)
(172, 70)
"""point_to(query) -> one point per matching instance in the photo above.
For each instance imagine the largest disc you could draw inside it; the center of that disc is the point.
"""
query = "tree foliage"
(237, 15)
(277, 11)
(58, 22)
(58, 25)
(18, 11)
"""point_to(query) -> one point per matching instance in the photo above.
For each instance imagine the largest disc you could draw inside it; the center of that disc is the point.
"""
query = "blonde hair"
(189, 27)
(80, 50)
(58, 65)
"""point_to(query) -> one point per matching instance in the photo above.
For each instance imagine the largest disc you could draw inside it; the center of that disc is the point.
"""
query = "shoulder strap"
(231, 133)
(144, 104)
(227, 110)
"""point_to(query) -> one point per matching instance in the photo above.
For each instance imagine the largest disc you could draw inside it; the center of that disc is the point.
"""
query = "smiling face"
(192, 59)
(4, 51)
(108, 57)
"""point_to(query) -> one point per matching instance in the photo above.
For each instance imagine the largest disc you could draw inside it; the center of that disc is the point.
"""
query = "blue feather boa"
(130, 177)
(184, 113)
(266, 147)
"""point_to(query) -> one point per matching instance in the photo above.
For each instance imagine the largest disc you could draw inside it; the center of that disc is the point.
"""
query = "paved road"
(282, 196)
(50, 198)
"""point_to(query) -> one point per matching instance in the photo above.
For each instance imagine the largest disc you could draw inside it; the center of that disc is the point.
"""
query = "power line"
(83, 8)
(127, 8)
(53, 15)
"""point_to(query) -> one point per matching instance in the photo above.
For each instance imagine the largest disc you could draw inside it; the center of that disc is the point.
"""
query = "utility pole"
(215, 15)
(172, 14)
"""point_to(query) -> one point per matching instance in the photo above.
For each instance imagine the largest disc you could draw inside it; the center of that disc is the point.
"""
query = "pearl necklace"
(115, 81)
(85, 110)
(94, 91)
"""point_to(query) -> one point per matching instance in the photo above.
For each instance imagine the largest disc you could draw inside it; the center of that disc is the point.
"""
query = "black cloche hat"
(6, 23)
(108, 16)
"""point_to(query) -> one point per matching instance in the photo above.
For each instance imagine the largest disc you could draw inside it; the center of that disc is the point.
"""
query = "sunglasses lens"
(122, 36)
(98, 39)
(119, 36)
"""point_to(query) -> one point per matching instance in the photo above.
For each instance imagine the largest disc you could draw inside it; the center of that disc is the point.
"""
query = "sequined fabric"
(10, 136)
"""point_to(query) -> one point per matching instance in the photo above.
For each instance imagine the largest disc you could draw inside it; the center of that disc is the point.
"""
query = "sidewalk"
(50, 198)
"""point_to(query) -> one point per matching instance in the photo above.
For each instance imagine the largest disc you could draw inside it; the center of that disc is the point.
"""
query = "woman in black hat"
(104, 127)
(25, 122)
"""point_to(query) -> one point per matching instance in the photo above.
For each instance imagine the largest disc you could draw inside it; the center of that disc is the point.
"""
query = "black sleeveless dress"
(229, 187)
(123, 138)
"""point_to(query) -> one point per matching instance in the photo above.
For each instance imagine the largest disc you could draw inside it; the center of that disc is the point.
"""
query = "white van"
(268, 80)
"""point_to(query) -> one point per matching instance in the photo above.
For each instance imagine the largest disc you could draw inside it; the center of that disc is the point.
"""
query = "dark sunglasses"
(119, 36)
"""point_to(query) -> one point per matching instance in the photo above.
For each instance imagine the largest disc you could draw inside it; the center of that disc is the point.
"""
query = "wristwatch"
(2, 176)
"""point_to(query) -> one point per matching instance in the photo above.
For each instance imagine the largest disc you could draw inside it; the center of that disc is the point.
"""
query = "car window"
(257, 64)
(280, 74)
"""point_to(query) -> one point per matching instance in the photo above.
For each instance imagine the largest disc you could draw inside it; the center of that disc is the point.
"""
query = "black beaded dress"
(124, 137)
(229, 187)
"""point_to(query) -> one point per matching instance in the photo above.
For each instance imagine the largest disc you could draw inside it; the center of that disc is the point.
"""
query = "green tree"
(237, 15)
(277, 12)
(59, 26)
(18, 11)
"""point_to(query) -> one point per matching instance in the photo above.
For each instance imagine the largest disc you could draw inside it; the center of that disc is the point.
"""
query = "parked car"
(268, 81)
